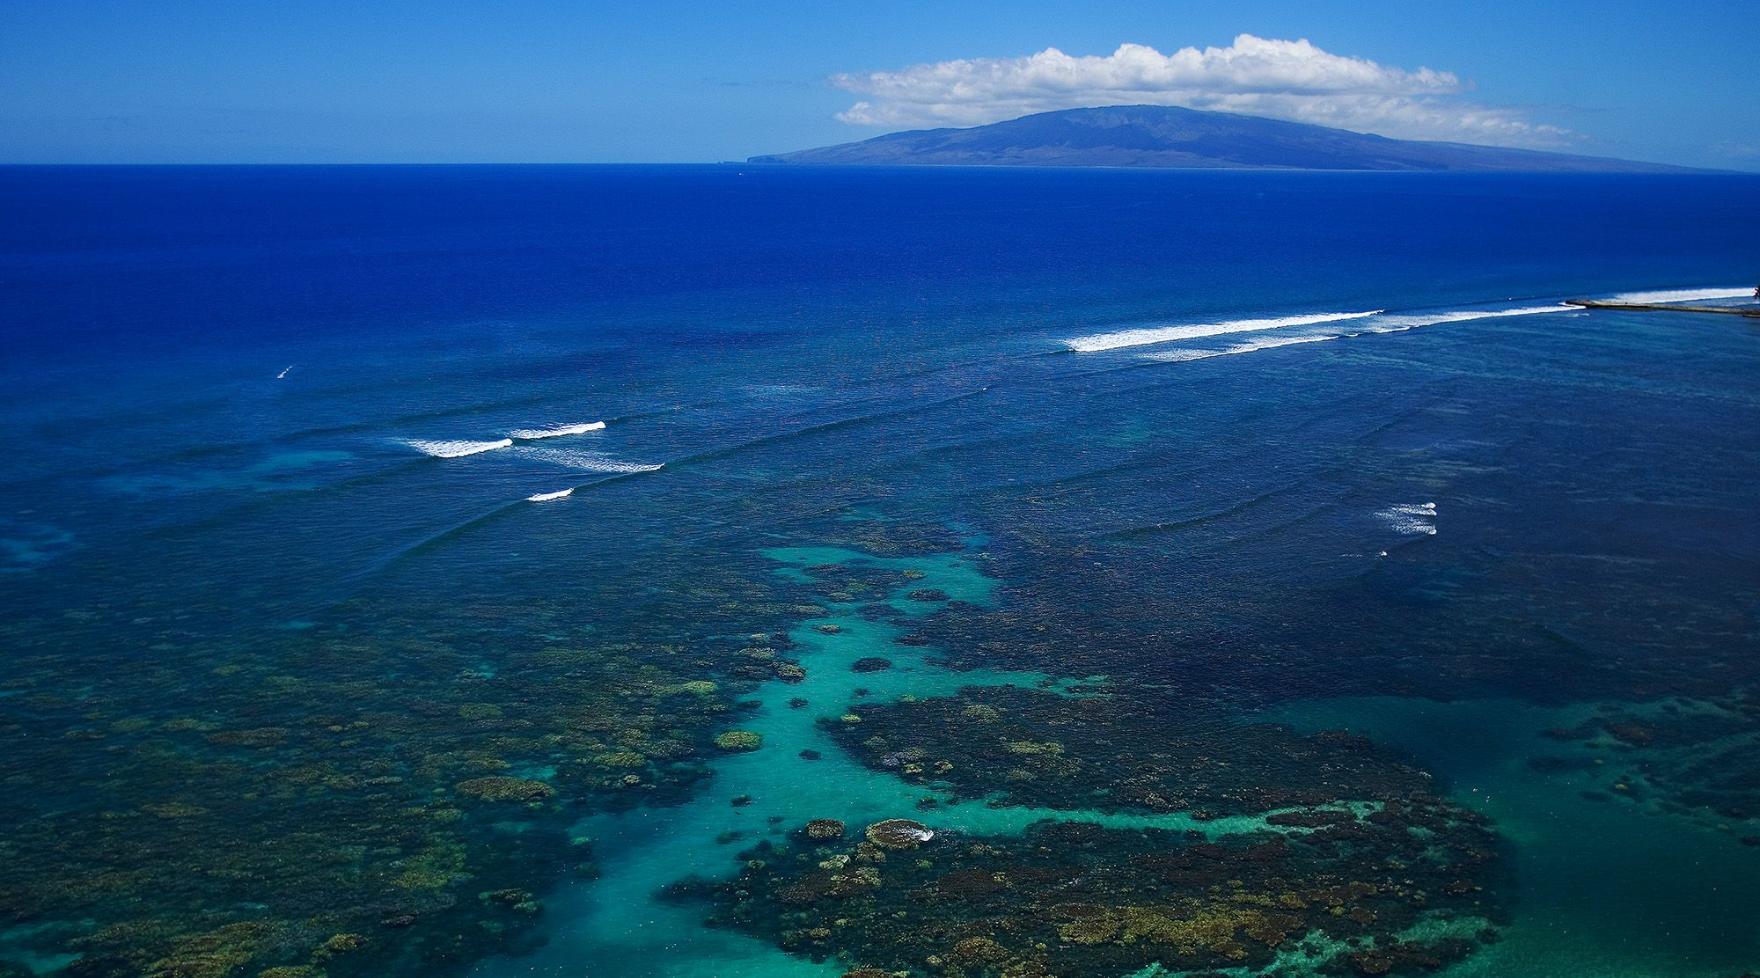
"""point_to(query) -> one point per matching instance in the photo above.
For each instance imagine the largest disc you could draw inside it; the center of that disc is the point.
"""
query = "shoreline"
(1748, 312)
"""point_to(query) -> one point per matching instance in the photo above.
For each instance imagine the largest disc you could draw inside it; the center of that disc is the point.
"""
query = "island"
(1172, 137)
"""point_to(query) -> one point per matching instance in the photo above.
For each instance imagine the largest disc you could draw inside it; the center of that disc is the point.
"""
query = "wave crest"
(534, 434)
(1682, 295)
(455, 449)
(1180, 356)
(1377, 323)
(1411, 519)
(582, 461)
(1100, 342)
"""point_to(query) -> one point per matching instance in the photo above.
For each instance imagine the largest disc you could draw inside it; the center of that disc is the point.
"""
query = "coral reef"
(739, 740)
(824, 828)
(497, 788)
(1118, 752)
(1075, 899)
(1692, 757)
(898, 833)
(382, 796)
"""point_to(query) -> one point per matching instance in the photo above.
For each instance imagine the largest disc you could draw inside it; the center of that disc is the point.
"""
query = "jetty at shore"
(1751, 312)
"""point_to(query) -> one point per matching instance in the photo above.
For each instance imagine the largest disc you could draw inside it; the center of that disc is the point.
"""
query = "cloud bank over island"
(1293, 80)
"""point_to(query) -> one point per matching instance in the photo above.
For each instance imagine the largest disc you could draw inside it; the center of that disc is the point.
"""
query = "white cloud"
(1254, 76)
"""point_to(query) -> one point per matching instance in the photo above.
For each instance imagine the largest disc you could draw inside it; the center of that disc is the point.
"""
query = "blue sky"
(614, 81)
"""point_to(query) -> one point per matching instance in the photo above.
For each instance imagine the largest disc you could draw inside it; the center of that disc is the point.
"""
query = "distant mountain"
(1165, 136)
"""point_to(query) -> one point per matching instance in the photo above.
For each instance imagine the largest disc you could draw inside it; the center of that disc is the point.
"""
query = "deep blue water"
(1369, 460)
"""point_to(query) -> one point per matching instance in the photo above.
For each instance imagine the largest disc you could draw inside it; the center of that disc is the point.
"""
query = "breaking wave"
(1682, 295)
(1411, 519)
(544, 497)
(1395, 324)
(1177, 356)
(455, 449)
(582, 461)
(1100, 342)
(1376, 323)
(533, 434)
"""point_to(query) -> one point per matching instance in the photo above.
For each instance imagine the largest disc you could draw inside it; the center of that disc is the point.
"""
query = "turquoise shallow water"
(1606, 888)
(618, 924)
(1114, 470)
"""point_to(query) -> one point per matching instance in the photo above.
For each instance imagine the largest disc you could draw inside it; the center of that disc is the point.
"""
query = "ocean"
(736, 571)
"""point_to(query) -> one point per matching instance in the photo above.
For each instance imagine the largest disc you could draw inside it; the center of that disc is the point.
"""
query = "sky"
(412, 81)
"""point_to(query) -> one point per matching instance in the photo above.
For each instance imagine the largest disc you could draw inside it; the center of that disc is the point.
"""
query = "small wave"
(533, 434)
(1180, 356)
(455, 449)
(587, 461)
(1411, 519)
(1100, 342)
(1683, 295)
(544, 497)
(1396, 324)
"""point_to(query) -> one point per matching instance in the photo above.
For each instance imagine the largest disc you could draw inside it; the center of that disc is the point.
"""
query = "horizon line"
(1681, 170)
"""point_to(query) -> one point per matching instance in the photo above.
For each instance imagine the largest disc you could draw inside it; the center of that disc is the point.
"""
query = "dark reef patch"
(1115, 753)
(1696, 758)
(385, 795)
(1401, 891)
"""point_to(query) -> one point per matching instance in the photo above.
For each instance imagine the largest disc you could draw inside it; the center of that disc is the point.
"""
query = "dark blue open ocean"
(493, 571)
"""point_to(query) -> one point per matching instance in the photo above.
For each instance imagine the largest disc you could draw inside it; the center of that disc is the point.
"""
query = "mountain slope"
(1165, 136)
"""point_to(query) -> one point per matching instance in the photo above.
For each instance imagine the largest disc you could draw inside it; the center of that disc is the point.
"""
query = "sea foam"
(587, 461)
(455, 449)
(1399, 323)
(1372, 324)
(544, 497)
(1411, 519)
(1682, 295)
(533, 434)
(1178, 356)
(1100, 342)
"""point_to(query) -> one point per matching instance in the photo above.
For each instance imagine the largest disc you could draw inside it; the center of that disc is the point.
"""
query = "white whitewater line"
(586, 461)
(1395, 324)
(1378, 323)
(1100, 342)
(455, 449)
(533, 434)
(616, 467)
(544, 497)
(1180, 356)
(1682, 295)
(1411, 519)
(283, 374)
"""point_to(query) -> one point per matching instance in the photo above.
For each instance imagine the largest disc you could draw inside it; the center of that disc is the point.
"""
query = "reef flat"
(339, 802)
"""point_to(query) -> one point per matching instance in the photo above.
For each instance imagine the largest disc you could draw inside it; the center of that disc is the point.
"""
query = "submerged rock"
(824, 828)
(499, 788)
(899, 833)
(739, 740)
